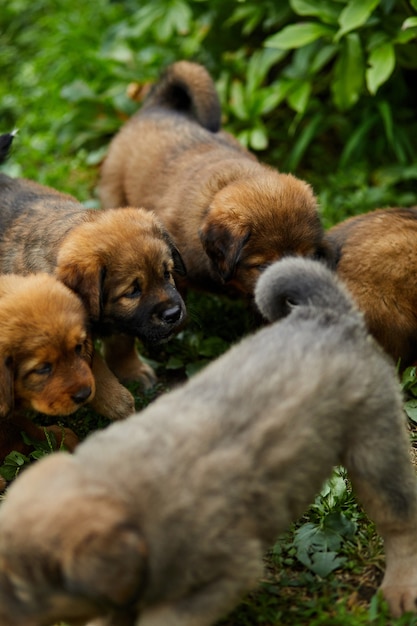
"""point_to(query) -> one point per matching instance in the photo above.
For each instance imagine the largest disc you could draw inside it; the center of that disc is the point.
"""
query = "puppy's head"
(294, 282)
(68, 550)
(257, 220)
(122, 264)
(45, 347)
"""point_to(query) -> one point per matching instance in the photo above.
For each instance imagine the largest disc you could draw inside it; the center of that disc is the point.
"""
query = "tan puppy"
(377, 255)
(45, 357)
(121, 264)
(228, 214)
(163, 519)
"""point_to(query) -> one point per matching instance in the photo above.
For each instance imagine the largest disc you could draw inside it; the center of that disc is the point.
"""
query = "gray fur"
(191, 491)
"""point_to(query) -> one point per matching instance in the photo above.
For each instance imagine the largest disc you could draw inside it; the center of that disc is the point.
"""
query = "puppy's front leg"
(385, 480)
(111, 399)
(122, 358)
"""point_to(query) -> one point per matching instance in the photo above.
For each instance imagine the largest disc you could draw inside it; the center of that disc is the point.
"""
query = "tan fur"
(228, 214)
(163, 519)
(378, 262)
(120, 263)
(45, 357)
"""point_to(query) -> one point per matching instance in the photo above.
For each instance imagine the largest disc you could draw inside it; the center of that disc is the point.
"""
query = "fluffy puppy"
(213, 472)
(45, 357)
(377, 260)
(228, 214)
(120, 263)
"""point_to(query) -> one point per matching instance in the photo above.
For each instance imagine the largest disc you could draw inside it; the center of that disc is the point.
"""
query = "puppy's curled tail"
(297, 281)
(6, 141)
(187, 88)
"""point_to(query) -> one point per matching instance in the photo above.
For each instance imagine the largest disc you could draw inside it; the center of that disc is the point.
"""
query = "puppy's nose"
(82, 395)
(171, 315)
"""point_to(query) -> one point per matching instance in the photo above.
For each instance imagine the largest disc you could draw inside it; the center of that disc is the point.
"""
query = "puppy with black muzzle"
(163, 519)
(120, 263)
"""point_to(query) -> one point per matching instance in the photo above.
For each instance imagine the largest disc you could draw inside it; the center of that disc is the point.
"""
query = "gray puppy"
(162, 520)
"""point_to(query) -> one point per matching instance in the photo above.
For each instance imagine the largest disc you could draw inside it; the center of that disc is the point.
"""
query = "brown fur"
(378, 262)
(229, 215)
(45, 357)
(121, 264)
(163, 519)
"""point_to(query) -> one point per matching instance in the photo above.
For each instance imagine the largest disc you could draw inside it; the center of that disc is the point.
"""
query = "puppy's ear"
(179, 265)
(6, 387)
(108, 564)
(87, 282)
(223, 247)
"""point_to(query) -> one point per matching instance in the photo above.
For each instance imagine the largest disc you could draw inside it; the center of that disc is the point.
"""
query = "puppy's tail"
(296, 281)
(187, 88)
(6, 141)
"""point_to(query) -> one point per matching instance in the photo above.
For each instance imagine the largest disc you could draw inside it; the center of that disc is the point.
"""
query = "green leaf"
(238, 100)
(382, 63)
(348, 73)
(299, 96)
(258, 138)
(298, 35)
(355, 15)
(410, 407)
(323, 563)
(410, 22)
(326, 10)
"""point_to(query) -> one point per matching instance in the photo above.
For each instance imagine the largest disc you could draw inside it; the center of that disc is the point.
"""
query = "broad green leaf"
(326, 10)
(410, 22)
(355, 15)
(323, 563)
(322, 57)
(410, 407)
(238, 100)
(348, 73)
(414, 4)
(298, 35)
(259, 65)
(258, 138)
(299, 96)
(382, 62)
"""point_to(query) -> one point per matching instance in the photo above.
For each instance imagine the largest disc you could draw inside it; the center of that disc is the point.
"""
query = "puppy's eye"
(44, 369)
(167, 275)
(133, 292)
(79, 349)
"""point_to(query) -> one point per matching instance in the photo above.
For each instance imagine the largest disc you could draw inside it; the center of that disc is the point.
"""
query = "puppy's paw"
(64, 437)
(136, 372)
(115, 403)
(399, 586)
(400, 599)
(122, 358)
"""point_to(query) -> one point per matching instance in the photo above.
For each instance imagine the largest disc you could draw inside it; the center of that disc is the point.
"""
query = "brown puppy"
(121, 264)
(45, 357)
(229, 215)
(163, 519)
(377, 260)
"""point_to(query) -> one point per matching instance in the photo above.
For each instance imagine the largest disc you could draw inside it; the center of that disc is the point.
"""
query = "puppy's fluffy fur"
(228, 214)
(164, 518)
(378, 263)
(121, 264)
(45, 356)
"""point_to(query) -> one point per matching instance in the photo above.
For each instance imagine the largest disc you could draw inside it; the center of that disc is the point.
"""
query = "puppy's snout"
(171, 315)
(82, 395)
